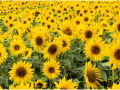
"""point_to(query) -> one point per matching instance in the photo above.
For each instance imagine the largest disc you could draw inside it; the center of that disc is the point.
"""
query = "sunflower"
(77, 21)
(116, 25)
(66, 42)
(67, 29)
(17, 47)
(63, 84)
(38, 40)
(27, 53)
(30, 83)
(87, 33)
(115, 86)
(3, 54)
(91, 76)
(95, 49)
(53, 49)
(51, 69)
(21, 72)
(40, 84)
(19, 86)
(0, 87)
(114, 54)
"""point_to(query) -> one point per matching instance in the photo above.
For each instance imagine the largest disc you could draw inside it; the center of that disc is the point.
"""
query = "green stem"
(113, 76)
(40, 60)
(50, 83)
(108, 80)
(61, 56)
(65, 66)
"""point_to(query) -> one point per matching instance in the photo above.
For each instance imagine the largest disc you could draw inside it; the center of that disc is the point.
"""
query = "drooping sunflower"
(38, 40)
(3, 54)
(95, 49)
(63, 84)
(66, 42)
(114, 54)
(17, 47)
(21, 71)
(40, 84)
(27, 53)
(91, 75)
(53, 49)
(51, 69)
(87, 33)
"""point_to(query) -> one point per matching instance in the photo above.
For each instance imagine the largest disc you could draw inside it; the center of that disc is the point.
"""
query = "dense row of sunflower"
(59, 44)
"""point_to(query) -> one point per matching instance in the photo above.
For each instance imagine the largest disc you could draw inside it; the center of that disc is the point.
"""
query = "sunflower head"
(95, 49)
(20, 72)
(53, 49)
(51, 69)
(40, 84)
(63, 84)
(92, 76)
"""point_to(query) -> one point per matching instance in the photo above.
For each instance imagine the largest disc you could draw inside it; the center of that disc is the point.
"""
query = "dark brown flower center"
(21, 72)
(52, 49)
(0, 54)
(77, 22)
(118, 27)
(11, 25)
(95, 49)
(36, 13)
(85, 11)
(91, 75)
(65, 9)
(39, 85)
(51, 70)
(39, 40)
(24, 22)
(59, 11)
(86, 19)
(96, 7)
(17, 47)
(88, 34)
(64, 43)
(26, 53)
(78, 11)
(104, 25)
(48, 26)
(117, 54)
(10, 17)
(52, 21)
(67, 31)
(28, 29)
(29, 19)
(63, 88)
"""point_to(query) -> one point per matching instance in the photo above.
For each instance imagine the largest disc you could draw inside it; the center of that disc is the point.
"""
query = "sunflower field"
(59, 45)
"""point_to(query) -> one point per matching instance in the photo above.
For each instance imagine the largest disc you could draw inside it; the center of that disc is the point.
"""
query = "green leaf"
(4, 70)
(78, 57)
(101, 87)
(66, 62)
(103, 75)
(81, 68)
(71, 57)
(105, 64)
(5, 80)
(76, 80)
(115, 77)
(36, 57)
